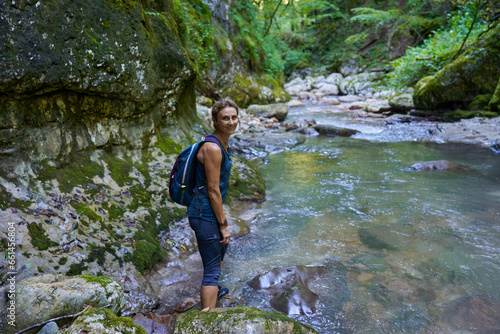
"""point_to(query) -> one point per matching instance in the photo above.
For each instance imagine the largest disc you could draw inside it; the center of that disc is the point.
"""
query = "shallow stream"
(411, 246)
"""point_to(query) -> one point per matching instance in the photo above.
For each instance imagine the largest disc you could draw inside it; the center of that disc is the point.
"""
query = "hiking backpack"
(183, 174)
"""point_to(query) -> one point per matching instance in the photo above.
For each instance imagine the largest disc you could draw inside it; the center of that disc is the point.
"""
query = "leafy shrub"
(435, 52)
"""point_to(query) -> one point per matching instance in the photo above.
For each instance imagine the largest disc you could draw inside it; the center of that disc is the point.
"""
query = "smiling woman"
(205, 212)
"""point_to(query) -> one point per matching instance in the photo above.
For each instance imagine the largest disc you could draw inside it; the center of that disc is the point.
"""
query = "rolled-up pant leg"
(211, 250)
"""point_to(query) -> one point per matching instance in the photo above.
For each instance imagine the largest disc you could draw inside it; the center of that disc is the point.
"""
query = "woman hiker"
(205, 212)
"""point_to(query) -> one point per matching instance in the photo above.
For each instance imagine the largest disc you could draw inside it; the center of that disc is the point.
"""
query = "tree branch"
(274, 13)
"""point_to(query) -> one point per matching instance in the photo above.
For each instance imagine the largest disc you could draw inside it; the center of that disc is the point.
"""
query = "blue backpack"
(183, 174)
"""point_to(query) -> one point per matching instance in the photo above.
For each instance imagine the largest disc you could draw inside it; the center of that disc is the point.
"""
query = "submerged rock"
(290, 287)
(476, 314)
(238, 320)
(332, 130)
(439, 165)
(390, 237)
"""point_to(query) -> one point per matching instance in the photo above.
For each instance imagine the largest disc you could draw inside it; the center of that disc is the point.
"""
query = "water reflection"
(415, 250)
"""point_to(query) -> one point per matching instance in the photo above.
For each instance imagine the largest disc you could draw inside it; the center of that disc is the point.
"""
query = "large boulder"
(277, 110)
(103, 321)
(238, 320)
(401, 102)
(360, 83)
(77, 75)
(332, 130)
(475, 72)
(64, 295)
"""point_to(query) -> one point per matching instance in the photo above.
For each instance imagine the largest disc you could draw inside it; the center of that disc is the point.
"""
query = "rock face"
(64, 296)
(474, 72)
(494, 103)
(77, 75)
(238, 320)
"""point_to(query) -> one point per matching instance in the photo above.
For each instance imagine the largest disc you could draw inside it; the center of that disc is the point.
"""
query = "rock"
(290, 287)
(332, 130)
(474, 72)
(401, 102)
(67, 295)
(278, 110)
(364, 277)
(477, 130)
(103, 321)
(50, 328)
(307, 96)
(349, 68)
(185, 305)
(294, 103)
(296, 300)
(87, 69)
(350, 98)
(360, 83)
(476, 314)
(334, 78)
(150, 325)
(249, 144)
(378, 107)
(395, 237)
(328, 89)
(439, 165)
(329, 101)
(204, 101)
(238, 320)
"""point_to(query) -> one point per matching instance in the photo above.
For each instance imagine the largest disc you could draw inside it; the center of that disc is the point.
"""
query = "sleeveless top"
(200, 206)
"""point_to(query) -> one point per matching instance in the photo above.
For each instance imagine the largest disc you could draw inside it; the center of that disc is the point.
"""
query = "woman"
(206, 213)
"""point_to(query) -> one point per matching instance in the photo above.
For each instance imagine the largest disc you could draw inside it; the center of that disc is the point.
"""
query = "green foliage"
(195, 30)
(435, 52)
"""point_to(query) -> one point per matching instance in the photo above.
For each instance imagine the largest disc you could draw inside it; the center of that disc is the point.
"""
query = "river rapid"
(413, 251)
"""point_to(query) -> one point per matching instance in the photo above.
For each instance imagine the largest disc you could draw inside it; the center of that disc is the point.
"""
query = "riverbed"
(413, 250)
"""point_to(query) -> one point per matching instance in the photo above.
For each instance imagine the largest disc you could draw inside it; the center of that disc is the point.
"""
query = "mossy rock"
(238, 320)
(246, 182)
(100, 321)
(473, 73)
(480, 102)
(494, 103)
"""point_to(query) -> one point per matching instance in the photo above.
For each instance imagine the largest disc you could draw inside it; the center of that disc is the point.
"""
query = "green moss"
(464, 114)
(38, 238)
(140, 197)
(480, 102)
(235, 315)
(248, 184)
(76, 269)
(83, 209)
(107, 319)
(120, 169)
(101, 280)
(169, 215)
(114, 211)
(63, 260)
(167, 145)
(8, 201)
(494, 103)
(76, 171)
(145, 255)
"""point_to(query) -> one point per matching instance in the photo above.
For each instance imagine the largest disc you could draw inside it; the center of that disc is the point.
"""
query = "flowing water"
(409, 247)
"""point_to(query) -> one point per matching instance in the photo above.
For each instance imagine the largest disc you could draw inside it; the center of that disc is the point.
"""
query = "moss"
(464, 114)
(167, 145)
(248, 184)
(480, 102)
(234, 315)
(76, 269)
(101, 280)
(120, 169)
(76, 171)
(494, 103)
(145, 255)
(169, 215)
(114, 211)
(140, 197)
(83, 209)
(38, 238)
(63, 260)
(106, 319)
(8, 201)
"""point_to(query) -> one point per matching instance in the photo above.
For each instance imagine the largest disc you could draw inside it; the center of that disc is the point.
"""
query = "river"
(410, 248)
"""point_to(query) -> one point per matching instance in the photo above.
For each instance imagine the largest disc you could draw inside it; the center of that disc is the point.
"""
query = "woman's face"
(227, 120)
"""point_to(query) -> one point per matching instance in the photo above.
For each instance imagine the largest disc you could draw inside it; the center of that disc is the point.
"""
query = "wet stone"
(390, 237)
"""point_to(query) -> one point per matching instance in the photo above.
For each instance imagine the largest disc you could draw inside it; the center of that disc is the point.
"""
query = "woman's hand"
(224, 232)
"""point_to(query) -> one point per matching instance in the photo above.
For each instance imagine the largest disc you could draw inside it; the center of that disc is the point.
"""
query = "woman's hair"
(219, 105)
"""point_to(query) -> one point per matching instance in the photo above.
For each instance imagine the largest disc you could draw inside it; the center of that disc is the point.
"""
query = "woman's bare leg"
(209, 296)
